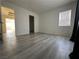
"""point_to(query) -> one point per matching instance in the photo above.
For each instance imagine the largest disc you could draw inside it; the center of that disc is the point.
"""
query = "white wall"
(22, 19)
(49, 21)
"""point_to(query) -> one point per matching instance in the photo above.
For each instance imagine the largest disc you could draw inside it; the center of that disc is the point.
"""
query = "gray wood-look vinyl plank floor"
(37, 46)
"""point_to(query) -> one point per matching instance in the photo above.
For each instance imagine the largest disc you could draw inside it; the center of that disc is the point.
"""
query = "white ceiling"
(40, 6)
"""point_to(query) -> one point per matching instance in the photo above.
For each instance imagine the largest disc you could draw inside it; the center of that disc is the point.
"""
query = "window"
(65, 18)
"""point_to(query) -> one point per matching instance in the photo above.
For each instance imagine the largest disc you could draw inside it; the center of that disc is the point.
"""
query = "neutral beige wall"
(49, 21)
(22, 19)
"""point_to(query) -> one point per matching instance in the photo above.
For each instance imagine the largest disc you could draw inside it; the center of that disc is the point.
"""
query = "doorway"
(31, 24)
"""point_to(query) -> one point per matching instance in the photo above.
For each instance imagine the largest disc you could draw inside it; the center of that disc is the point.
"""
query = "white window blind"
(65, 18)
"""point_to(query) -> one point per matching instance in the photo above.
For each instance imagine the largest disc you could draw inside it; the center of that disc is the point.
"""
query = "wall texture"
(22, 19)
(49, 21)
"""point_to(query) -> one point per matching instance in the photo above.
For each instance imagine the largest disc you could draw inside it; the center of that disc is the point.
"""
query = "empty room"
(39, 29)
